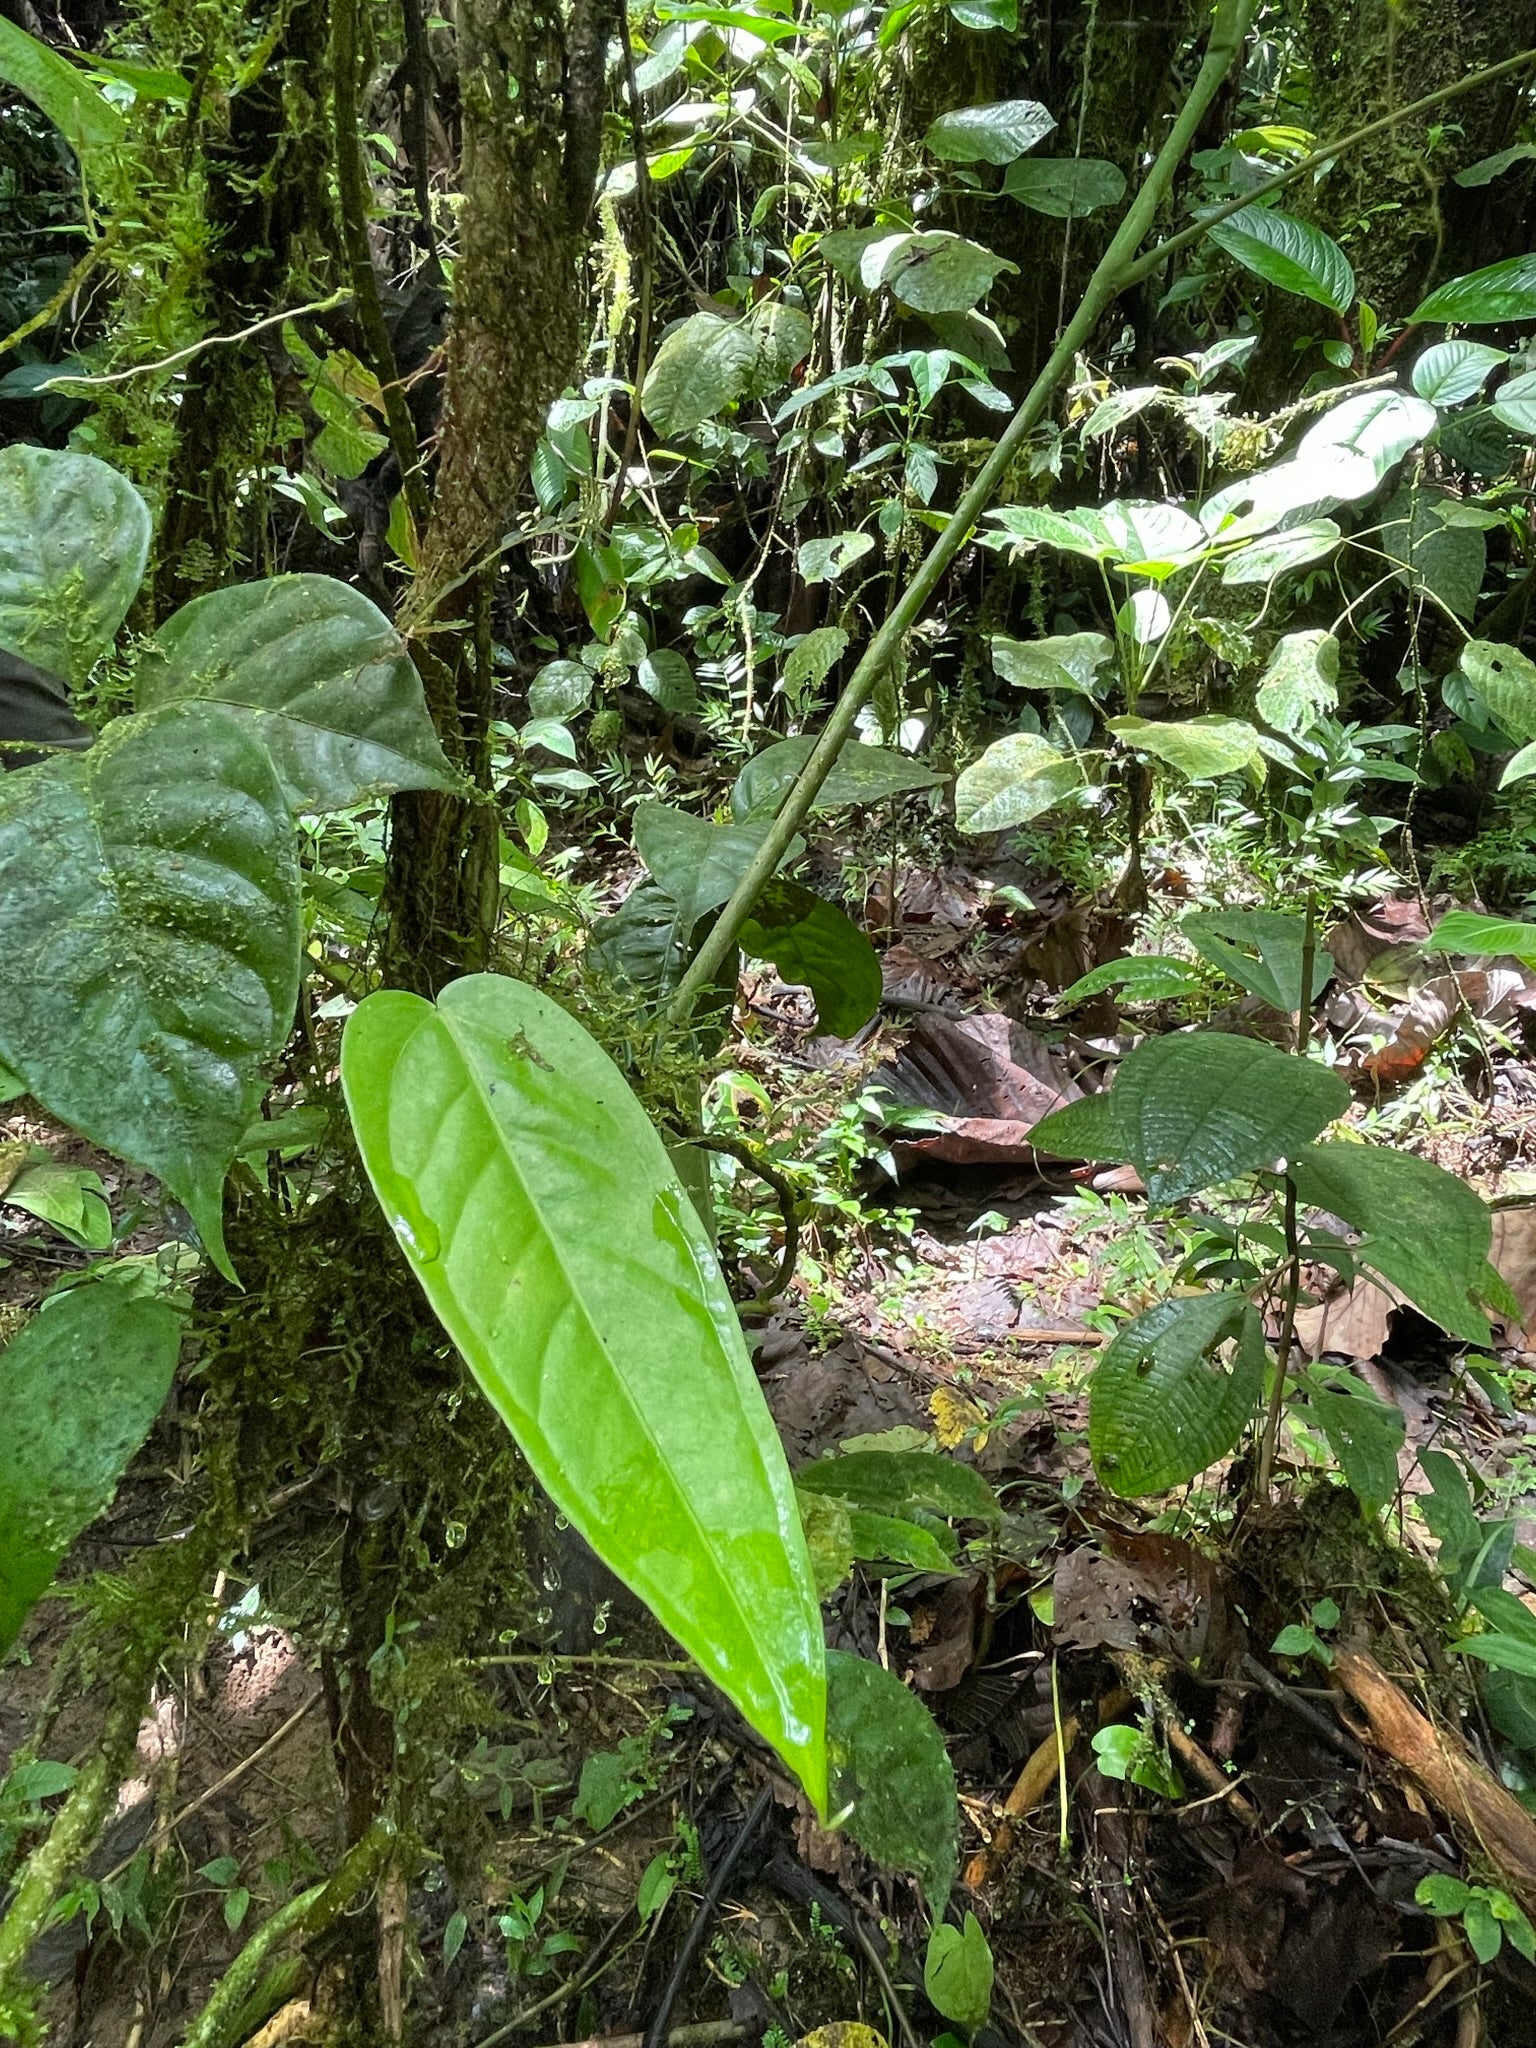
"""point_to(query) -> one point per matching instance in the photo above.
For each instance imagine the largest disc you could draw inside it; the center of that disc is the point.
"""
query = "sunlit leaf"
(1014, 780)
(1198, 748)
(1449, 372)
(1301, 683)
(994, 134)
(1485, 298)
(1289, 253)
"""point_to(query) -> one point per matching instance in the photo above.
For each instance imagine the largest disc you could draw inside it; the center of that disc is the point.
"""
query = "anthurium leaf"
(815, 945)
(1505, 679)
(1016, 779)
(1484, 298)
(1450, 372)
(318, 673)
(81, 112)
(1421, 1228)
(698, 864)
(1289, 253)
(888, 1761)
(895, 1482)
(1301, 683)
(80, 1387)
(541, 1215)
(1468, 932)
(665, 676)
(993, 134)
(863, 775)
(1277, 554)
(1065, 661)
(1198, 748)
(1365, 1435)
(560, 690)
(704, 364)
(1066, 187)
(1197, 1108)
(1261, 950)
(1161, 1410)
(149, 922)
(74, 538)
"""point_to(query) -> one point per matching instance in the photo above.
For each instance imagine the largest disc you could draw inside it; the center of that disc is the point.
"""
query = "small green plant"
(1139, 1756)
(1302, 1639)
(532, 1948)
(1489, 1917)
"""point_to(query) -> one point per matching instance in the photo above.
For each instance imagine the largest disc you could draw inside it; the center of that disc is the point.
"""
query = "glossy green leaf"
(1505, 679)
(1515, 403)
(1449, 372)
(538, 1209)
(1161, 1409)
(149, 922)
(320, 676)
(1365, 1434)
(82, 1384)
(888, 1762)
(1377, 428)
(895, 1482)
(815, 945)
(665, 676)
(74, 538)
(1468, 932)
(933, 272)
(1301, 683)
(1198, 748)
(958, 1972)
(1421, 1228)
(1485, 298)
(1065, 661)
(1066, 187)
(1278, 554)
(1017, 778)
(1197, 1108)
(863, 775)
(1141, 978)
(1290, 253)
(1261, 950)
(78, 109)
(993, 134)
(704, 364)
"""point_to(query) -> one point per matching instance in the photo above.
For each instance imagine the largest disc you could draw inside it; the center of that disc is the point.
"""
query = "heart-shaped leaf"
(540, 1212)
(1160, 1409)
(1066, 187)
(1289, 253)
(1515, 403)
(863, 775)
(1198, 748)
(817, 946)
(321, 677)
(149, 924)
(74, 538)
(83, 1383)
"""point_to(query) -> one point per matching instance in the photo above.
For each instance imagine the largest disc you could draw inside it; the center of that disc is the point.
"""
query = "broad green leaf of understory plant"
(318, 674)
(1364, 1434)
(1066, 187)
(1198, 748)
(1375, 427)
(817, 946)
(1467, 932)
(1445, 562)
(933, 271)
(958, 1972)
(80, 1387)
(1260, 949)
(1484, 298)
(824, 561)
(895, 1482)
(1197, 1108)
(1161, 1410)
(1277, 554)
(74, 538)
(1141, 978)
(538, 1209)
(1289, 253)
(1453, 371)
(994, 134)
(79, 110)
(1505, 679)
(1515, 404)
(702, 366)
(1301, 683)
(149, 925)
(862, 775)
(1421, 1228)
(889, 1762)
(1018, 778)
(1065, 661)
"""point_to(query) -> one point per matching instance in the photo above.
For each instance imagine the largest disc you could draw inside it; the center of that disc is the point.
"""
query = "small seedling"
(1487, 1915)
(1298, 1640)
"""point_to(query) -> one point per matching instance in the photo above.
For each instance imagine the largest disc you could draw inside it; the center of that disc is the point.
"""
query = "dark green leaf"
(1161, 1411)
(1365, 1435)
(1446, 562)
(1289, 253)
(814, 944)
(704, 364)
(74, 538)
(863, 775)
(1262, 951)
(82, 113)
(1485, 298)
(538, 1209)
(994, 134)
(888, 1761)
(895, 1482)
(1066, 187)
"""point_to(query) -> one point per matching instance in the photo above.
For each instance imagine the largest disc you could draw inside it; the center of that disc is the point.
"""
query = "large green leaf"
(1446, 562)
(1277, 554)
(321, 677)
(86, 118)
(1289, 253)
(1067, 187)
(703, 365)
(149, 925)
(1452, 371)
(74, 538)
(1485, 298)
(1421, 1228)
(1160, 1409)
(993, 134)
(1515, 403)
(863, 775)
(935, 272)
(815, 945)
(1466, 931)
(698, 864)
(1065, 661)
(1375, 427)
(538, 1209)
(1262, 950)
(1195, 747)
(889, 1763)
(895, 1482)
(1301, 683)
(1505, 679)
(1364, 1433)
(79, 1388)
(1015, 780)
(1197, 1108)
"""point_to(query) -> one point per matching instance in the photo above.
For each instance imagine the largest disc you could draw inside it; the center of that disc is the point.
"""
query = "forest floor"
(1250, 1881)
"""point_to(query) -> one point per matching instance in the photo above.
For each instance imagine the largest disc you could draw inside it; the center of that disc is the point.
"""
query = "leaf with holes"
(1161, 1410)
(937, 272)
(149, 922)
(74, 539)
(1505, 679)
(318, 674)
(83, 1383)
(817, 946)
(994, 134)
(1262, 951)
(1015, 780)
(888, 1762)
(1292, 254)
(1484, 298)
(1197, 1108)
(540, 1212)
(1301, 683)
(1421, 1228)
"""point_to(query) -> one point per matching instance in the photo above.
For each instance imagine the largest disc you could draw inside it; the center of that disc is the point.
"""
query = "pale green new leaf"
(1065, 187)
(1197, 748)
(994, 134)
(319, 675)
(1505, 679)
(1289, 253)
(1421, 1228)
(1452, 371)
(1301, 683)
(74, 538)
(1064, 661)
(1485, 298)
(1161, 1410)
(1018, 778)
(538, 1209)
(888, 1761)
(79, 110)
(1374, 427)
(958, 1972)
(80, 1387)
(703, 365)
(149, 922)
